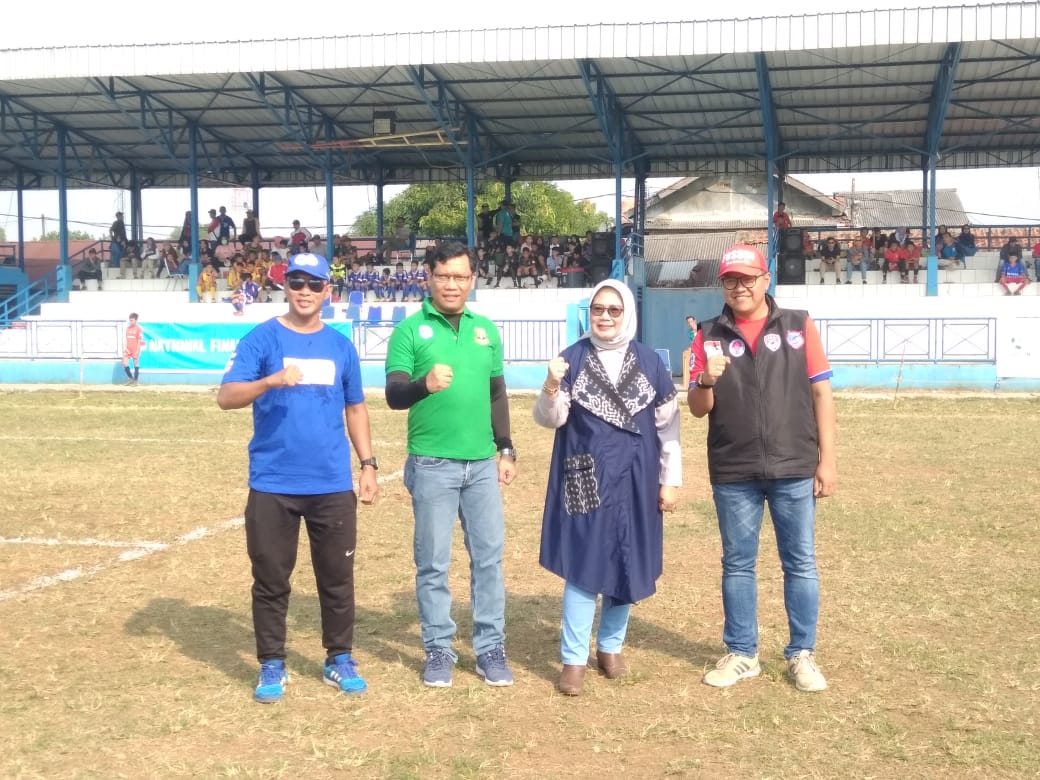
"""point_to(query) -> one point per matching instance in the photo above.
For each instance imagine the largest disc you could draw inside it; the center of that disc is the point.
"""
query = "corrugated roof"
(687, 260)
(851, 92)
(899, 208)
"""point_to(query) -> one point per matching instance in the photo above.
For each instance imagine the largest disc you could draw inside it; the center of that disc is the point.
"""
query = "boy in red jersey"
(132, 350)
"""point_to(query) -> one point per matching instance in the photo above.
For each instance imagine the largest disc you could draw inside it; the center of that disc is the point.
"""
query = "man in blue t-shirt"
(300, 376)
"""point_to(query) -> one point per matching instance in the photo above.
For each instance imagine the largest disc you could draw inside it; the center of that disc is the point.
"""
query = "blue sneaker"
(493, 668)
(272, 682)
(341, 672)
(437, 673)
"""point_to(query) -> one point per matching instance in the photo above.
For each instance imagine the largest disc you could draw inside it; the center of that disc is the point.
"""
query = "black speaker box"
(791, 241)
(602, 247)
(790, 269)
(596, 273)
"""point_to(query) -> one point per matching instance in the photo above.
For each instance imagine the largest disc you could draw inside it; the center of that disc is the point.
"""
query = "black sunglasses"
(297, 283)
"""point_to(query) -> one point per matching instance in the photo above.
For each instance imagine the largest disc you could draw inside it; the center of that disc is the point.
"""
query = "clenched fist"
(439, 378)
(289, 376)
(557, 370)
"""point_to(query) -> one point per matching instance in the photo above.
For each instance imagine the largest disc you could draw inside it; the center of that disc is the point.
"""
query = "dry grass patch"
(928, 556)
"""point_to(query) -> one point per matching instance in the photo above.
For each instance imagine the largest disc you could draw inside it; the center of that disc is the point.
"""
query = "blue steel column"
(136, 208)
(64, 273)
(772, 154)
(471, 185)
(255, 187)
(193, 173)
(20, 198)
(379, 207)
(330, 197)
(617, 267)
(932, 286)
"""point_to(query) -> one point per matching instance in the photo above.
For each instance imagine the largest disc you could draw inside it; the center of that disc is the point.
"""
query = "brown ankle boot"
(611, 665)
(571, 679)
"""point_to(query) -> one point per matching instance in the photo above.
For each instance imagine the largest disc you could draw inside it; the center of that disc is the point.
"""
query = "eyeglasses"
(598, 310)
(459, 279)
(298, 283)
(731, 282)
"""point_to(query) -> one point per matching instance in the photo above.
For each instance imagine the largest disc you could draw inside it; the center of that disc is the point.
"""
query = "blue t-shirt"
(299, 445)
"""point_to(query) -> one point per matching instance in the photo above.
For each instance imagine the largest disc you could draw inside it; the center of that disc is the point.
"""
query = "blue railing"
(910, 340)
(523, 341)
(28, 298)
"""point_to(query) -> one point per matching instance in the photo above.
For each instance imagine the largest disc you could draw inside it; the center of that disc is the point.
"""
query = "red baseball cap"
(743, 259)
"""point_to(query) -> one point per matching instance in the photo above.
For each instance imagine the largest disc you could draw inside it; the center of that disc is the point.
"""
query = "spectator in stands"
(213, 228)
(858, 259)
(1010, 249)
(781, 219)
(417, 277)
(90, 268)
(134, 340)
(149, 257)
(118, 243)
(830, 257)
(223, 253)
(250, 227)
(506, 264)
(483, 265)
(170, 262)
(299, 236)
(940, 231)
(206, 285)
(691, 327)
(485, 224)
(187, 230)
(1013, 276)
(880, 245)
(130, 267)
(400, 282)
(345, 249)
(276, 273)
(966, 239)
(602, 526)
(950, 256)
(227, 227)
(373, 279)
(899, 235)
(809, 250)
(386, 286)
(527, 268)
(316, 246)
(894, 260)
(337, 278)
(504, 225)
(911, 260)
(1036, 258)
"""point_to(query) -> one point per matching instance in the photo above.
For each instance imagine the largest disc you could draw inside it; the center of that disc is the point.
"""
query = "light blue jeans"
(792, 507)
(579, 610)
(442, 490)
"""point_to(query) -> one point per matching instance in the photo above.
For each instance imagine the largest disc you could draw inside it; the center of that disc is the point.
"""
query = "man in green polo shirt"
(444, 365)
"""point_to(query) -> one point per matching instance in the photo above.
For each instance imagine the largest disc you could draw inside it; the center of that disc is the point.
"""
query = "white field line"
(132, 551)
(145, 440)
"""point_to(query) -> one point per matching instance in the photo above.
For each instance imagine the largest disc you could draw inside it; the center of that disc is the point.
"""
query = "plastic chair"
(399, 313)
(375, 313)
(353, 312)
(356, 298)
(666, 358)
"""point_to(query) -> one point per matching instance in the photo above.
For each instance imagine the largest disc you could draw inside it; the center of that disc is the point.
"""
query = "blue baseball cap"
(312, 265)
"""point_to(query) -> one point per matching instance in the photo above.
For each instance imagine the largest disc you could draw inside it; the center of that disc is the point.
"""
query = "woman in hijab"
(616, 466)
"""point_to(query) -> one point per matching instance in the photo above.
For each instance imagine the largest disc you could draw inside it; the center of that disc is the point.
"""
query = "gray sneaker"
(437, 673)
(802, 669)
(493, 668)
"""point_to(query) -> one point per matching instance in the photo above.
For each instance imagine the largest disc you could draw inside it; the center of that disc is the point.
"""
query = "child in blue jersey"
(400, 282)
(372, 279)
(417, 278)
(386, 286)
(356, 278)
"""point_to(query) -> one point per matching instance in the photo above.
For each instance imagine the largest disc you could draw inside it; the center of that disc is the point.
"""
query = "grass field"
(128, 649)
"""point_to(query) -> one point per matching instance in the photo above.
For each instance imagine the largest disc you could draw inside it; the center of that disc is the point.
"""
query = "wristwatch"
(370, 462)
(508, 452)
(700, 384)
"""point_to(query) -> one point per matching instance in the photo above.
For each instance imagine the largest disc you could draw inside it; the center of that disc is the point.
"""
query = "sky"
(991, 195)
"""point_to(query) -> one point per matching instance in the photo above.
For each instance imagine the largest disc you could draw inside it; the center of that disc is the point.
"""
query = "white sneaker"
(806, 674)
(731, 669)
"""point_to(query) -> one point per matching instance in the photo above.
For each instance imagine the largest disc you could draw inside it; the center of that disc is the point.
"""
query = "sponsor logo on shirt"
(772, 341)
(480, 336)
(314, 371)
(425, 332)
(796, 338)
(712, 348)
(736, 348)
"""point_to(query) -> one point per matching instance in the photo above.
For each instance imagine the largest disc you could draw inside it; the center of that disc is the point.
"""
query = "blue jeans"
(443, 489)
(793, 508)
(862, 268)
(579, 609)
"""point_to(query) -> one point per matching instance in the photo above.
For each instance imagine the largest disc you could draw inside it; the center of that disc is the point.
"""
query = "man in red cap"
(760, 375)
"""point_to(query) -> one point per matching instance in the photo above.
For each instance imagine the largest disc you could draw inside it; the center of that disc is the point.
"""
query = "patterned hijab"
(627, 331)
